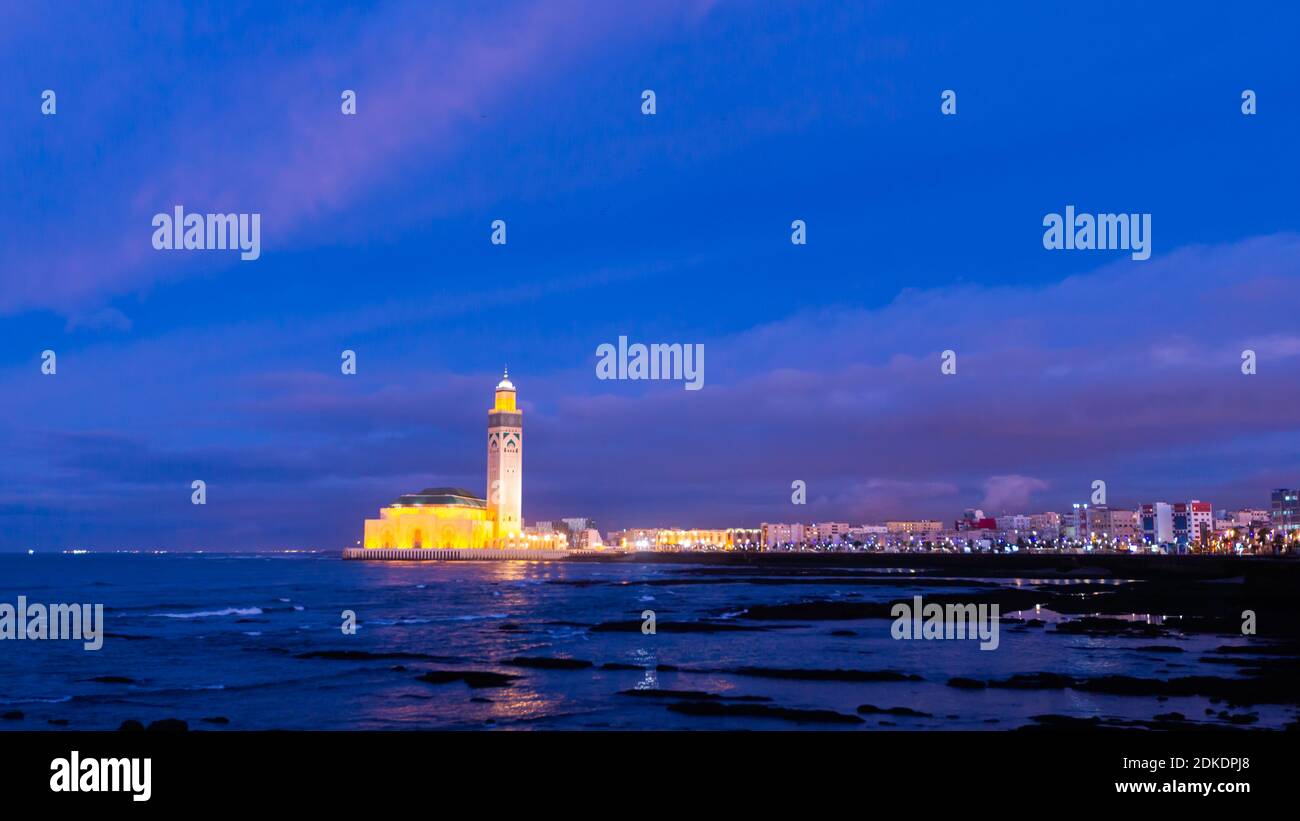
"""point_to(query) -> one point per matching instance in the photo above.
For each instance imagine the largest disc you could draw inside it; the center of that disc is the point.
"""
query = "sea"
(258, 641)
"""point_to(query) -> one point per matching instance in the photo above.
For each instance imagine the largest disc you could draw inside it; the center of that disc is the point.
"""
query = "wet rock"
(1093, 626)
(362, 655)
(870, 709)
(724, 710)
(618, 665)
(1067, 722)
(963, 683)
(548, 663)
(1008, 599)
(1170, 717)
(1034, 681)
(688, 695)
(12, 715)
(661, 626)
(1158, 648)
(822, 675)
(111, 680)
(474, 678)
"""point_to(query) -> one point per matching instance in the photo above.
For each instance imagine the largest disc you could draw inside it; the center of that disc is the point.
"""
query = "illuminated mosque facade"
(450, 517)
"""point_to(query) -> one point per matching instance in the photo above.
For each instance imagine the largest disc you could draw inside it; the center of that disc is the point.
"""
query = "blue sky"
(822, 360)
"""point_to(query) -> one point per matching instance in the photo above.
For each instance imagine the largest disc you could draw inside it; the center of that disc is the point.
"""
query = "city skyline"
(924, 235)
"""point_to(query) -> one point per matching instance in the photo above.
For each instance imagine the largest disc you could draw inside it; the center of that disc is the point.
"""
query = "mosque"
(452, 517)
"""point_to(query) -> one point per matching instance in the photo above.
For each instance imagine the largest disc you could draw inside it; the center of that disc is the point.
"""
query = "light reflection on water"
(475, 616)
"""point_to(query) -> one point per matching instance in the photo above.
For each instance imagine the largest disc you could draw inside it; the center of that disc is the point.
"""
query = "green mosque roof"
(451, 496)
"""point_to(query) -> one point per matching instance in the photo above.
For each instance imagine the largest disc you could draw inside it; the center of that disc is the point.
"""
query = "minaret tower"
(505, 473)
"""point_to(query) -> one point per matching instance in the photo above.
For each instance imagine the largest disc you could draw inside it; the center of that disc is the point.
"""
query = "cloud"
(1057, 385)
(1010, 493)
(425, 77)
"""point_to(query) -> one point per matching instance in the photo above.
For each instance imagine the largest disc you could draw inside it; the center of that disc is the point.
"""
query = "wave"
(229, 611)
(59, 700)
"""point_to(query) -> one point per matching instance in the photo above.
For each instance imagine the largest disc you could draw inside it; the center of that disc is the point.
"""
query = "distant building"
(831, 532)
(1013, 523)
(914, 527)
(452, 517)
(1192, 521)
(1102, 522)
(1157, 522)
(776, 535)
(1045, 525)
(667, 538)
(1284, 510)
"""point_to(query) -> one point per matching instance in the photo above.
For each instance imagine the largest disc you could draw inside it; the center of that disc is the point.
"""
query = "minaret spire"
(505, 461)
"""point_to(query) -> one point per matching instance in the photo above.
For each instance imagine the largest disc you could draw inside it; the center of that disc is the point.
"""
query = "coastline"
(1282, 569)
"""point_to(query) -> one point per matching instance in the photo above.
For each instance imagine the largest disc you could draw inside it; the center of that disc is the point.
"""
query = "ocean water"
(202, 636)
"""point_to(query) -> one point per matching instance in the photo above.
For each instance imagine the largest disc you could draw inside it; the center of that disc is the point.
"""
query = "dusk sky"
(822, 361)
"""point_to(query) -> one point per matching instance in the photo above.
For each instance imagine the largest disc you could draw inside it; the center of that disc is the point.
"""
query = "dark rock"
(362, 655)
(1067, 722)
(111, 680)
(634, 626)
(822, 675)
(130, 725)
(1093, 626)
(723, 710)
(1034, 681)
(474, 678)
(868, 709)
(963, 683)
(216, 720)
(57, 722)
(12, 715)
(690, 695)
(1170, 717)
(618, 665)
(547, 663)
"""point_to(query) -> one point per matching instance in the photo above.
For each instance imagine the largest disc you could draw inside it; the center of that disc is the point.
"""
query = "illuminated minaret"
(505, 473)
